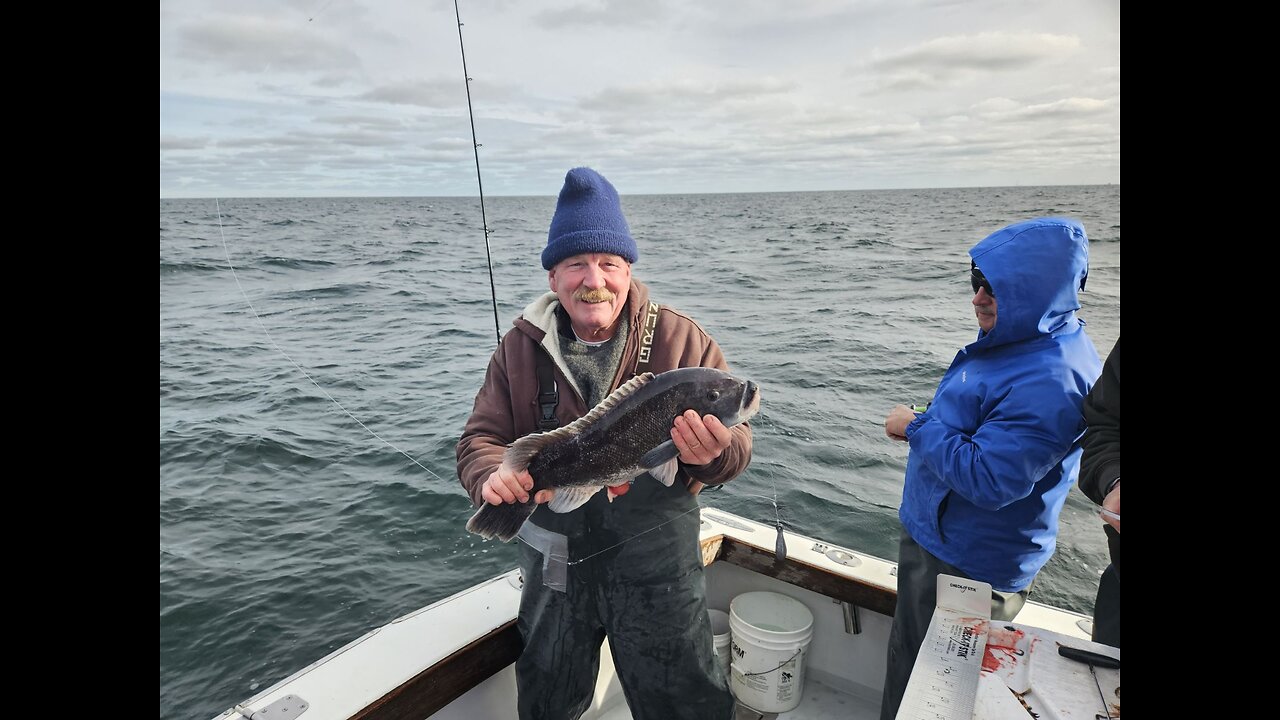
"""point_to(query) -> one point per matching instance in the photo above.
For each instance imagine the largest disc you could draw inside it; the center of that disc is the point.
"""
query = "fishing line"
(313, 15)
(777, 511)
(780, 544)
(475, 148)
(781, 547)
(227, 253)
(621, 542)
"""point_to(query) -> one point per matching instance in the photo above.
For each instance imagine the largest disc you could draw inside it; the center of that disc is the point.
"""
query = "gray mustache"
(597, 295)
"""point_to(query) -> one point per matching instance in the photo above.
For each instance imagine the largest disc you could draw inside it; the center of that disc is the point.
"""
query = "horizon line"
(552, 195)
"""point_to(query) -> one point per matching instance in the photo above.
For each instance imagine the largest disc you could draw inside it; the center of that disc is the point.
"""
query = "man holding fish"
(623, 564)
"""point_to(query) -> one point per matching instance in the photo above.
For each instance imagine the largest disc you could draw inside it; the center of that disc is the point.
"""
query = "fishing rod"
(475, 148)
(781, 548)
(488, 258)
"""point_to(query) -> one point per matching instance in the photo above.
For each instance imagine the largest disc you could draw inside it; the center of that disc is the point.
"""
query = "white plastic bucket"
(770, 635)
(720, 631)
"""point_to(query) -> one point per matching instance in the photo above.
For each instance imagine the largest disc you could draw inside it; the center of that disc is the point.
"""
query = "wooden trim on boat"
(797, 573)
(449, 679)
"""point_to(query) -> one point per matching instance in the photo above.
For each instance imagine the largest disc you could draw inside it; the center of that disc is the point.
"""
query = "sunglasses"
(978, 280)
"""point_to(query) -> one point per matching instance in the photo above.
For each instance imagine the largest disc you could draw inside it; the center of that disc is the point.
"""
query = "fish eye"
(715, 394)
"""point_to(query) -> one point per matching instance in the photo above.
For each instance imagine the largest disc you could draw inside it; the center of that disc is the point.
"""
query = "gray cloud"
(254, 44)
(351, 98)
(941, 61)
(425, 93)
(602, 13)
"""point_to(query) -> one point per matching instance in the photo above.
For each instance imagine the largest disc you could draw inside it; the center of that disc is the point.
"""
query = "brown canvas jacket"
(506, 407)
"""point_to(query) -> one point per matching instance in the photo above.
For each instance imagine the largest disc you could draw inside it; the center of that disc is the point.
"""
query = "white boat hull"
(453, 660)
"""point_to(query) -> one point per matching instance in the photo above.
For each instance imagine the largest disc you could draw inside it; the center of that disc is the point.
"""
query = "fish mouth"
(750, 400)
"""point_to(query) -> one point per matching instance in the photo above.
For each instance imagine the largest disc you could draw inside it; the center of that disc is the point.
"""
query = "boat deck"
(819, 702)
(454, 659)
(826, 695)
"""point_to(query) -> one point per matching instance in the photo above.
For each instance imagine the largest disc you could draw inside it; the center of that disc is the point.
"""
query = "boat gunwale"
(870, 583)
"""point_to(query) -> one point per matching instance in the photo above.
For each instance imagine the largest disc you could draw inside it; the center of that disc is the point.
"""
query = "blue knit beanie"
(588, 219)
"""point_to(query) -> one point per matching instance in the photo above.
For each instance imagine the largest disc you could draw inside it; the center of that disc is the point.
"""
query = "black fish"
(626, 435)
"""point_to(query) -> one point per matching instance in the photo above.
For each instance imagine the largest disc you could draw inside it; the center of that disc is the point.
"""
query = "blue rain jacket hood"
(993, 458)
(1035, 269)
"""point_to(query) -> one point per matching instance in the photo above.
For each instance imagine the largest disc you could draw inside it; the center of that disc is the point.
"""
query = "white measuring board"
(944, 681)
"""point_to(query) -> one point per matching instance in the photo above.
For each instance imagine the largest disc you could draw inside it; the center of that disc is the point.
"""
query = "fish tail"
(500, 521)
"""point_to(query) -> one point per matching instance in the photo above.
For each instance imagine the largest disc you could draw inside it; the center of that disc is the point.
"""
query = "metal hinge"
(287, 707)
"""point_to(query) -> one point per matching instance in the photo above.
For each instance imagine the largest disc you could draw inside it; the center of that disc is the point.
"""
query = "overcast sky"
(366, 97)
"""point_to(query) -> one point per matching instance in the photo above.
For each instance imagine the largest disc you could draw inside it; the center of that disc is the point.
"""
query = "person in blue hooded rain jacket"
(997, 450)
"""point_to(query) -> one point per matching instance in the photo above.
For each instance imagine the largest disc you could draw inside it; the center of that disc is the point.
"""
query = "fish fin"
(666, 472)
(659, 455)
(500, 521)
(522, 452)
(568, 499)
(624, 391)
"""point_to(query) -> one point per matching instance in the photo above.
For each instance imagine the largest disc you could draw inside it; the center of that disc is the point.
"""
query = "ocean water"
(309, 348)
